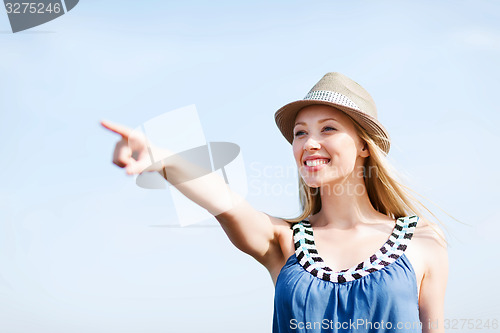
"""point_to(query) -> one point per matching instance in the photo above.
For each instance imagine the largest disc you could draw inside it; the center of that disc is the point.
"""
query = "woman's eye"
(325, 128)
(298, 132)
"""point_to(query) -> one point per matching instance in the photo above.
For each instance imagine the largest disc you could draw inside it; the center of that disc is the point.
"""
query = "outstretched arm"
(251, 231)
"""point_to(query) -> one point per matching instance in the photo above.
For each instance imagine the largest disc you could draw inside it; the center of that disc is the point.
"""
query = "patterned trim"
(333, 97)
(308, 257)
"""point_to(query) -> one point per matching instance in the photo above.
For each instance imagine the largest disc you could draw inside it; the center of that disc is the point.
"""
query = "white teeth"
(316, 162)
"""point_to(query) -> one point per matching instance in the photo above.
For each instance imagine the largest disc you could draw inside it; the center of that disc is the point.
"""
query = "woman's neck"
(345, 205)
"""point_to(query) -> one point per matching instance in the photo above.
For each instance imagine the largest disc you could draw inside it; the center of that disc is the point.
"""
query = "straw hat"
(340, 92)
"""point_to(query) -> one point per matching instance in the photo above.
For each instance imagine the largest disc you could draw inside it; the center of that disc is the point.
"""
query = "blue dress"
(377, 295)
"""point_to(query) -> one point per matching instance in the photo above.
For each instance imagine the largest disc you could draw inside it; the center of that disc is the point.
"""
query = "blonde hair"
(387, 194)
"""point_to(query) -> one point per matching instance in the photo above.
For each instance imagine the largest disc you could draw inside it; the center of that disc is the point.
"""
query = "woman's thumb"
(136, 167)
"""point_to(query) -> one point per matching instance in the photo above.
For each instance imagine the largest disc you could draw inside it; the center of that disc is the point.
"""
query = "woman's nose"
(311, 143)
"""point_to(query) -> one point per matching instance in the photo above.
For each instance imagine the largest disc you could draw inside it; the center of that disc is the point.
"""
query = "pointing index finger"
(118, 129)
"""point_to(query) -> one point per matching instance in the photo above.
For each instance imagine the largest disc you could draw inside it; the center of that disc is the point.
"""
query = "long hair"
(387, 194)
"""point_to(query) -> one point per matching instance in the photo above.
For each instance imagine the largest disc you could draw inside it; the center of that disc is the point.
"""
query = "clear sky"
(84, 249)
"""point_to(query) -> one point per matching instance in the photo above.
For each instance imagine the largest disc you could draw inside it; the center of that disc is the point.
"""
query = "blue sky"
(83, 248)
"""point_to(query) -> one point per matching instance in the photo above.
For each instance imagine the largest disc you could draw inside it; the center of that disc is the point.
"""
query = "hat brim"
(285, 120)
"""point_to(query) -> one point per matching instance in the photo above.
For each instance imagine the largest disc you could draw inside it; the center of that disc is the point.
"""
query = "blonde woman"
(360, 257)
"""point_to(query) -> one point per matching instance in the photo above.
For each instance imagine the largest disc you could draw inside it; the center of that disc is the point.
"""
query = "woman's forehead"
(313, 113)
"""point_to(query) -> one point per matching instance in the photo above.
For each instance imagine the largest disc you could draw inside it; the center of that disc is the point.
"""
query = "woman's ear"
(365, 152)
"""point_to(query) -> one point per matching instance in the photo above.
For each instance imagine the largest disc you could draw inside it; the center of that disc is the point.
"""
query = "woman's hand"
(132, 151)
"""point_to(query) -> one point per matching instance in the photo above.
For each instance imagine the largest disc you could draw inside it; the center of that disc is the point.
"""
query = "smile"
(316, 162)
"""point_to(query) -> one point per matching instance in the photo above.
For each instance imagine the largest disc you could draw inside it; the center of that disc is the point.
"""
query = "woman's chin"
(313, 183)
(316, 182)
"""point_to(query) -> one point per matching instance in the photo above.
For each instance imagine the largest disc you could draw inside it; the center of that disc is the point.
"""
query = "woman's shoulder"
(281, 224)
(429, 241)
(282, 230)
(429, 232)
(430, 245)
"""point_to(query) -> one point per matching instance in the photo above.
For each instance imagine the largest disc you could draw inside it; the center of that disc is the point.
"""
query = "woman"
(329, 269)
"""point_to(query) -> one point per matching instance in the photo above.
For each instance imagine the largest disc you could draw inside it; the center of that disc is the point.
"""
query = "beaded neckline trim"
(393, 248)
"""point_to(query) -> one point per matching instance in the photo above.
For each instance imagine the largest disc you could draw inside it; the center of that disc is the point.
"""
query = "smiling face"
(328, 137)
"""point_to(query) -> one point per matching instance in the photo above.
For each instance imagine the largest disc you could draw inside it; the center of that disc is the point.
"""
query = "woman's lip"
(317, 157)
(316, 167)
